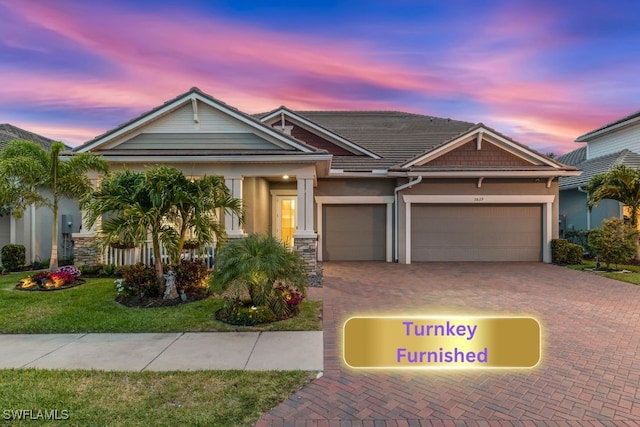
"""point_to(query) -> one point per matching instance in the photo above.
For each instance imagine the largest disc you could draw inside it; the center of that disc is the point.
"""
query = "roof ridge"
(406, 113)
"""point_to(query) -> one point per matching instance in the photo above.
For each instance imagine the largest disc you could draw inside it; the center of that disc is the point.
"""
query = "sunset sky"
(542, 72)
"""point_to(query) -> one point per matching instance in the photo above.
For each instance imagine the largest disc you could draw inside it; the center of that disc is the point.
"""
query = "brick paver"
(589, 374)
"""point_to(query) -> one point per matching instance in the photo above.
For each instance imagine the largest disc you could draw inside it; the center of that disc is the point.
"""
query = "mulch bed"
(39, 288)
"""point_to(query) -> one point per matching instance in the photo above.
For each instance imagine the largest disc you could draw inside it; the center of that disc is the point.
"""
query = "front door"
(285, 219)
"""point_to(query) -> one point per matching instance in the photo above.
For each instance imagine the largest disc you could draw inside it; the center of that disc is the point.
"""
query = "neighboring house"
(33, 229)
(354, 185)
(616, 143)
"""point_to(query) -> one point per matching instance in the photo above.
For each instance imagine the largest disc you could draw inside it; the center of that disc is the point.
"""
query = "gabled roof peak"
(194, 94)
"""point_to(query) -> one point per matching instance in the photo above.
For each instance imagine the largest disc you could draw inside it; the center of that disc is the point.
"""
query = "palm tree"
(31, 171)
(256, 264)
(196, 210)
(160, 202)
(619, 183)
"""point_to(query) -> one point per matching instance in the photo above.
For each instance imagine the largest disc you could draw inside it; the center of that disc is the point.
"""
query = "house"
(616, 143)
(33, 229)
(354, 185)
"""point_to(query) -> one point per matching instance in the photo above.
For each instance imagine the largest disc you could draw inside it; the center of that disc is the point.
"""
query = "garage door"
(476, 232)
(354, 232)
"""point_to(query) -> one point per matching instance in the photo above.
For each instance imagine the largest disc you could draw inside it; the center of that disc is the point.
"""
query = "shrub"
(579, 237)
(615, 242)
(192, 277)
(13, 257)
(122, 289)
(107, 270)
(142, 279)
(559, 251)
(242, 312)
(574, 254)
(39, 264)
(90, 269)
(256, 265)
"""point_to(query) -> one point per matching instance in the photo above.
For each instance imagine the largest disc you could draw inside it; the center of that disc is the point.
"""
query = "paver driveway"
(589, 373)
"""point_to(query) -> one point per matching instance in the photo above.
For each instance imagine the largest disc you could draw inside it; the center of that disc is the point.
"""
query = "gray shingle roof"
(396, 136)
(598, 165)
(9, 132)
(574, 157)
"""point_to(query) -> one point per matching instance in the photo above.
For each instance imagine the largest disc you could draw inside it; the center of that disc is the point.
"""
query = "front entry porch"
(280, 203)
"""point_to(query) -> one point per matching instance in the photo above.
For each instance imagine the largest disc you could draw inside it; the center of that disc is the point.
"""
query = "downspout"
(395, 214)
(580, 189)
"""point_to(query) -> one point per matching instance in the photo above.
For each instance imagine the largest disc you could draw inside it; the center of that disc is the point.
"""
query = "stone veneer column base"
(85, 249)
(307, 247)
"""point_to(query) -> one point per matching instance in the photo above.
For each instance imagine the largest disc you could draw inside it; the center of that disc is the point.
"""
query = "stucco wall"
(574, 212)
(352, 187)
(22, 231)
(355, 187)
(255, 192)
(4, 232)
(44, 221)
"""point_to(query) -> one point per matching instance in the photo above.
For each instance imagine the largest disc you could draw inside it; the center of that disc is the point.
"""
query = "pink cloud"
(162, 48)
(157, 55)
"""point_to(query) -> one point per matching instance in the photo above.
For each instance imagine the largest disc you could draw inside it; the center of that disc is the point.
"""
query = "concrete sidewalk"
(165, 351)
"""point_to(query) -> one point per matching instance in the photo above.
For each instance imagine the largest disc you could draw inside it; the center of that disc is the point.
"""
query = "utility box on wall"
(67, 224)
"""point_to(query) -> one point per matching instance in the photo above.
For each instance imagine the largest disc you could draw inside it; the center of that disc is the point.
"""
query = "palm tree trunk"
(157, 260)
(53, 262)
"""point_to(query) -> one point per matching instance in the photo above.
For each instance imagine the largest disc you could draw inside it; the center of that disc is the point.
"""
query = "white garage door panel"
(354, 233)
(476, 232)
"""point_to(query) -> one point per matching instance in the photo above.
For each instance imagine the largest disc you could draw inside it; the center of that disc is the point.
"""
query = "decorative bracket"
(194, 105)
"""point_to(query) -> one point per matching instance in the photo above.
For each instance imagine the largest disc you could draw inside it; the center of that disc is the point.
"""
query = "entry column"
(85, 249)
(305, 240)
(231, 220)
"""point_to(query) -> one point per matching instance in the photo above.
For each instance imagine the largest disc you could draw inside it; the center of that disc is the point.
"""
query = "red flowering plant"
(290, 294)
(64, 276)
(70, 269)
(44, 280)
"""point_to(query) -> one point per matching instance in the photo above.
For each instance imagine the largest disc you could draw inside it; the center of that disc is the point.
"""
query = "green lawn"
(91, 307)
(95, 398)
(632, 277)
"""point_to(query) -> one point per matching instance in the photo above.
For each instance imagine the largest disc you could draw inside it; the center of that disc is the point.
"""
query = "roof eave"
(493, 174)
(610, 128)
(196, 94)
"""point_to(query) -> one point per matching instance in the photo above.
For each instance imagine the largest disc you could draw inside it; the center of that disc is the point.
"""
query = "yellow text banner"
(442, 342)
